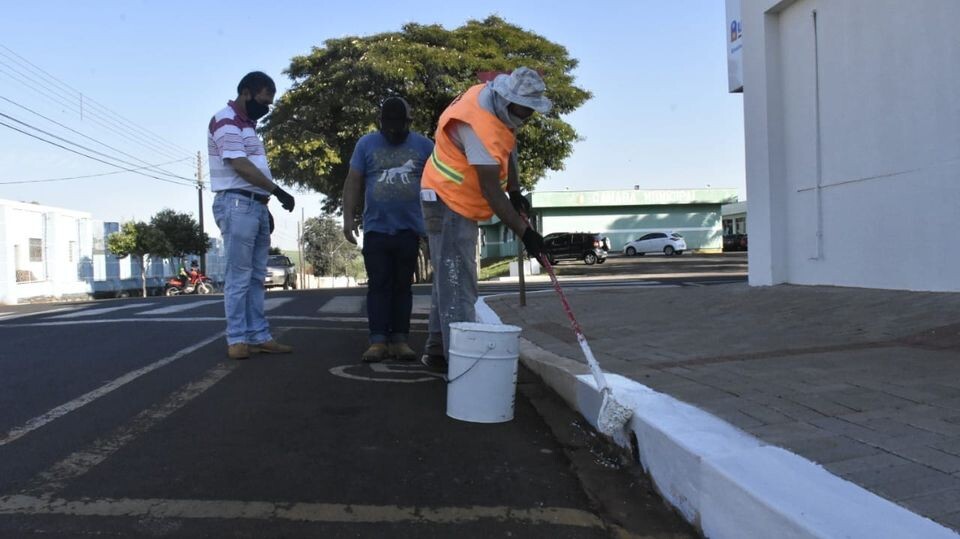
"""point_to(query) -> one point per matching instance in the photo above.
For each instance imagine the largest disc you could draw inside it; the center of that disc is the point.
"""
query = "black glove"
(533, 243)
(285, 198)
(272, 224)
(520, 203)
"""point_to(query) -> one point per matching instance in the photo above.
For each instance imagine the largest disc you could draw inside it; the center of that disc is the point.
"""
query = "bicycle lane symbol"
(386, 372)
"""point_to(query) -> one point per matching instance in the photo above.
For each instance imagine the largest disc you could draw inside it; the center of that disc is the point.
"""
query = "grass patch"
(495, 267)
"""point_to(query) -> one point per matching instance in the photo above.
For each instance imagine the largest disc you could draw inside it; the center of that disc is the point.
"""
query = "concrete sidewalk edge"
(724, 481)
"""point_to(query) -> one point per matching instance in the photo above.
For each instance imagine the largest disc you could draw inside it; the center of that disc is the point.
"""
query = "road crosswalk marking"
(97, 311)
(272, 303)
(344, 305)
(181, 307)
(355, 304)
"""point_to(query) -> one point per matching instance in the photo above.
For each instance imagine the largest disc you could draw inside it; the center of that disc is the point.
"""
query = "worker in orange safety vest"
(474, 162)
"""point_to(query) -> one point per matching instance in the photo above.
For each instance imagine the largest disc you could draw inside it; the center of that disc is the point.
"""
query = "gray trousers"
(453, 255)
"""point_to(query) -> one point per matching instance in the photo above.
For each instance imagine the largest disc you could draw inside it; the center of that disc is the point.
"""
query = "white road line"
(421, 304)
(413, 321)
(87, 398)
(14, 316)
(344, 304)
(272, 303)
(95, 311)
(181, 307)
(301, 512)
(53, 480)
(181, 319)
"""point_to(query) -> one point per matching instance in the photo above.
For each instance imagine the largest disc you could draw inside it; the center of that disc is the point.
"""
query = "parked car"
(668, 243)
(584, 246)
(280, 272)
(735, 242)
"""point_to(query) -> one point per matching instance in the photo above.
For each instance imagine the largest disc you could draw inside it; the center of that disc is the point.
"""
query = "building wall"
(853, 142)
(73, 261)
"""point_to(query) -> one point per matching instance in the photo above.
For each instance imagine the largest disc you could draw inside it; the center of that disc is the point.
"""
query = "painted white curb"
(728, 483)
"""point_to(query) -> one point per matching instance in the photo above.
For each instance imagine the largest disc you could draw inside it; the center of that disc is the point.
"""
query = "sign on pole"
(734, 47)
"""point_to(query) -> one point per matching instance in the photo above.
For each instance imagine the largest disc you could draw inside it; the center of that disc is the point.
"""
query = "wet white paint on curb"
(724, 481)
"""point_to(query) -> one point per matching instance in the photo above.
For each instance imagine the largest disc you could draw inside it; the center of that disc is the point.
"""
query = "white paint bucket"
(482, 372)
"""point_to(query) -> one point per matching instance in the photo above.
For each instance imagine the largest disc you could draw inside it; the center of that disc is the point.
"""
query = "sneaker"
(238, 351)
(272, 347)
(376, 352)
(402, 351)
(434, 362)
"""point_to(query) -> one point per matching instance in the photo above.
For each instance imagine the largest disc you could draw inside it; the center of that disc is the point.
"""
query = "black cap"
(395, 110)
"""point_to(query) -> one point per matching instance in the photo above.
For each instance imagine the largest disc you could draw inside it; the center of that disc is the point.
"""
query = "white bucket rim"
(485, 328)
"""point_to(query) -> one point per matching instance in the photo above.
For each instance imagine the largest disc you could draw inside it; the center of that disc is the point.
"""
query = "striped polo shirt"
(230, 135)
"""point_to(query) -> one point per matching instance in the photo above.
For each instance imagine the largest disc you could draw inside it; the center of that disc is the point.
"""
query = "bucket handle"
(490, 346)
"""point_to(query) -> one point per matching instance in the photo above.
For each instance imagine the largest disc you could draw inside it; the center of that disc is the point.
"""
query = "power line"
(23, 60)
(91, 150)
(134, 170)
(91, 117)
(61, 87)
(168, 173)
(45, 180)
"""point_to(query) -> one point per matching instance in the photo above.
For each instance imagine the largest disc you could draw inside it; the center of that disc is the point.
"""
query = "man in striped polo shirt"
(241, 179)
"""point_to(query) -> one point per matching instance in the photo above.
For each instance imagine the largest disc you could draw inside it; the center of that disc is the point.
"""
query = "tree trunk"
(143, 275)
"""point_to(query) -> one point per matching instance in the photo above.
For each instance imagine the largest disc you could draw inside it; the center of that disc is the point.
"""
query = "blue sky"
(660, 118)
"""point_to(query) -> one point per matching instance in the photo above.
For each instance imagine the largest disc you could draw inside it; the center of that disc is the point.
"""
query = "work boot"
(402, 351)
(272, 347)
(238, 351)
(377, 352)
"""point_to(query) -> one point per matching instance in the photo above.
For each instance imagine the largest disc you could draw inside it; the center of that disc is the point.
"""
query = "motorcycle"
(194, 283)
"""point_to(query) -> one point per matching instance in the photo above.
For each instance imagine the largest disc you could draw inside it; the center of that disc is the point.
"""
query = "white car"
(668, 243)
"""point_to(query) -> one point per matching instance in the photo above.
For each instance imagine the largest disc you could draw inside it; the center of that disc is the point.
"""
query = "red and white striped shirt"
(230, 135)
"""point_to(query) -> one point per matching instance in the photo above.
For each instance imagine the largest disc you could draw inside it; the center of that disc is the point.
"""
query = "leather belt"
(263, 199)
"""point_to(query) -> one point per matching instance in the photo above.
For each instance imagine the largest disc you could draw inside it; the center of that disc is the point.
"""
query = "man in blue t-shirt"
(386, 166)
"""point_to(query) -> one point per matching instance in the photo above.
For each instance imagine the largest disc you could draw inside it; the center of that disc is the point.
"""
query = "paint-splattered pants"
(453, 255)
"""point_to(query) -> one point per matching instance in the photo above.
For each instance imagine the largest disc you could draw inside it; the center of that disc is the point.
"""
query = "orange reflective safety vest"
(447, 171)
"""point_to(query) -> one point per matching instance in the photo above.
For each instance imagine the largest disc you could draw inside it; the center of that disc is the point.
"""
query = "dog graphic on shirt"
(399, 174)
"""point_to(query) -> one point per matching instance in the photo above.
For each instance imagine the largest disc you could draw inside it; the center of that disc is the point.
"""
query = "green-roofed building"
(622, 216)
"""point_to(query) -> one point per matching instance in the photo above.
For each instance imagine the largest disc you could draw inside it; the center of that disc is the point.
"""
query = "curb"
(727, 483)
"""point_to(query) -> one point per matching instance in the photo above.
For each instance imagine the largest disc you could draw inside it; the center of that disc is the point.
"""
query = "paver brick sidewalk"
(863, 382)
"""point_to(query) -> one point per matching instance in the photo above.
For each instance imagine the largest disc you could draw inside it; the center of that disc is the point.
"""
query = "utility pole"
(303, 262)
(203, 255)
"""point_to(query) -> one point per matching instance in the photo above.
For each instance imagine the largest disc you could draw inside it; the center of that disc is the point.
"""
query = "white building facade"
(852, 125)
(49, 253)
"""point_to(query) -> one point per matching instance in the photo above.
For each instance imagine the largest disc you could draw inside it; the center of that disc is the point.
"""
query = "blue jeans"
(245, 226)
(391, 260)
(453, 255)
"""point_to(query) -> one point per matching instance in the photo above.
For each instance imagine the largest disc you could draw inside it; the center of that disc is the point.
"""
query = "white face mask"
(500, 107)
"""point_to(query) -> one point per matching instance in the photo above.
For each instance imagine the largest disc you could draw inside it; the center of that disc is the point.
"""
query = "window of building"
(36, 250)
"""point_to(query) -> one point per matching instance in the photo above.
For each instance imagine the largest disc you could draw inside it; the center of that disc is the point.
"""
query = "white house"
(41, 251)
(54, 253)
(852, 125)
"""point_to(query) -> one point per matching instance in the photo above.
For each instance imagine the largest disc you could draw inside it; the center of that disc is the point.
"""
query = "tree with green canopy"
(182, 231)
(326, 250)
(140, 239)
(337, 90)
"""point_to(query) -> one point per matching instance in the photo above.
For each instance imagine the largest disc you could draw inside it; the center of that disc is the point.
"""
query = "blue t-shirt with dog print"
(392, 178)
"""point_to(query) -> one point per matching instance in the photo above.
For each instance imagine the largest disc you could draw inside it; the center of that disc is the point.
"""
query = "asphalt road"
(123, 418)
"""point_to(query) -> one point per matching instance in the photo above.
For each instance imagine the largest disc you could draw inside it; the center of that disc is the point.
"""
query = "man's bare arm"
(352, 191)
(248, 171)
(499, 203)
